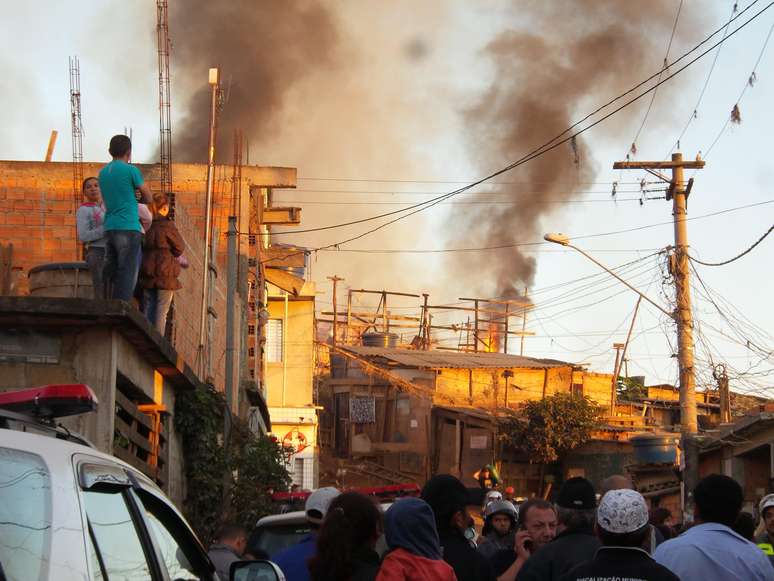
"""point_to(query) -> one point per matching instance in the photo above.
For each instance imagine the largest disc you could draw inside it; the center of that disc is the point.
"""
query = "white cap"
(493, 495)
(766, 502)
(317, 503)
(622, 511)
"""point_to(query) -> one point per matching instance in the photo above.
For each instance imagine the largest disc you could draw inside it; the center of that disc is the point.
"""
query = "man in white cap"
(622, 525)
(766, 540)
(293, 560)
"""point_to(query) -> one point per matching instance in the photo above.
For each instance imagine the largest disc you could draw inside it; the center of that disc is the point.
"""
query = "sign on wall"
(362, 409)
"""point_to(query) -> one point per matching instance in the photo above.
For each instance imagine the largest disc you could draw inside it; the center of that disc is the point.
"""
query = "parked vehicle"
(68, 511)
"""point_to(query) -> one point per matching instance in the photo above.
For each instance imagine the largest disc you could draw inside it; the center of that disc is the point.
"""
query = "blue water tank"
(654, 448)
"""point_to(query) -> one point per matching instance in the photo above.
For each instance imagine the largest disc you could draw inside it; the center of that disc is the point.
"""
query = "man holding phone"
(537, 527)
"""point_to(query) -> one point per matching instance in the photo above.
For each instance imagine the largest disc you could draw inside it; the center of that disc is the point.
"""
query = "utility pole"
(425, 323)
(231, 289)
(618, 347)
(335, 279)
(678, 194)
(720, 375)
(523, 324)
(622, 350)
(214, 82)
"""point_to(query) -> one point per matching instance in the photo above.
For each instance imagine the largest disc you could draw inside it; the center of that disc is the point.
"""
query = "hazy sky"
(387, 127)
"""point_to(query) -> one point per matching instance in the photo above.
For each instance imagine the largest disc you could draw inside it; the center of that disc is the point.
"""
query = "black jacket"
(468, 564)
(621, 563)
(555, 559)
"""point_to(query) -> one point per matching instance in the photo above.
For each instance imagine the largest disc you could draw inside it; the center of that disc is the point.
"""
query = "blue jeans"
(157, 303)
(122, 262)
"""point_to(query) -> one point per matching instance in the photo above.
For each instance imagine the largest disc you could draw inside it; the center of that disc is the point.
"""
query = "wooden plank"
(131, 434)
(133, 460)
(277, 256)
(131, 409)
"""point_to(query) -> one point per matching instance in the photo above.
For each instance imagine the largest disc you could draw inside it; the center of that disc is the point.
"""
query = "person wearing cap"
(293, 560)
(499, 529)
(710, 550)
(622, 526)
(576, 541)
(449, 499)
(510, 494)
(765, 539)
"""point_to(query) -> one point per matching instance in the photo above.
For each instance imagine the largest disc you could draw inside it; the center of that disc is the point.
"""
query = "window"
(274, 331)
(117, 545)
(251, 329)
(577, 389)
(176, 545)
(251, 352)
(25, 514)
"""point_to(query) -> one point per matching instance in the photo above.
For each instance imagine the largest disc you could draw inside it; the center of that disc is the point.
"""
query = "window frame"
(281, 343)
(133, 487)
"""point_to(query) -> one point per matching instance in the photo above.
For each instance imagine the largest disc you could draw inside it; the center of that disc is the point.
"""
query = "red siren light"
(50, 401)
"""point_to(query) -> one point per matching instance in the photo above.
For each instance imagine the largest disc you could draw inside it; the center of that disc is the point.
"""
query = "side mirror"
(255, 571)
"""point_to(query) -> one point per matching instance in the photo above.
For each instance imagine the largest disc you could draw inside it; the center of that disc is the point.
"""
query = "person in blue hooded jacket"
(415, 551)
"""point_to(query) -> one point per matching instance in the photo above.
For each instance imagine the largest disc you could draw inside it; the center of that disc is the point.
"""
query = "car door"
(134, 533)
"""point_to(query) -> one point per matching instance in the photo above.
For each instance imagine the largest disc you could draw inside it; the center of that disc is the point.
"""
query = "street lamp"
(564, 240)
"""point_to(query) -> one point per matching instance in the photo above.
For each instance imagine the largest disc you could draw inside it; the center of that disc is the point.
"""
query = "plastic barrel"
(654, 449)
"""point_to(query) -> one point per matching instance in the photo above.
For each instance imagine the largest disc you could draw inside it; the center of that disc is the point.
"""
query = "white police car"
(69, 512)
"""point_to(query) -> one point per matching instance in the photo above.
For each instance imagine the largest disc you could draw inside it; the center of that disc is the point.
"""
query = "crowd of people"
(132, 247)
(606, 535)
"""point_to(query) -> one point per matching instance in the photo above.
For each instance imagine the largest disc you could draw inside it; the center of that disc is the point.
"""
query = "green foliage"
(259, 470)
(255, 463)
(548, 428)
(630, 390)
(199, 418)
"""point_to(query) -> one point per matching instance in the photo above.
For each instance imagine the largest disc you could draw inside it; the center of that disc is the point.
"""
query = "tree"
(631, 390)
(548, 428)
(227, 479)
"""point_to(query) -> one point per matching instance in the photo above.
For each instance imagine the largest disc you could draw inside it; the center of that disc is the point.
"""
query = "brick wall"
(37, 216)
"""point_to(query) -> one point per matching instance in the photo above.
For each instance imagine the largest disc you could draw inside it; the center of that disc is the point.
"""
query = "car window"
(25, 515)
(178, 565)
(177, 546)
(277, 538)
(115, 537)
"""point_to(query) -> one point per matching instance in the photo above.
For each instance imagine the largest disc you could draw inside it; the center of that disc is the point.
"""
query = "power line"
(695, 111)
(748, 83)
(543, 149)
(633, 148)
(332, 247)
(738, 256)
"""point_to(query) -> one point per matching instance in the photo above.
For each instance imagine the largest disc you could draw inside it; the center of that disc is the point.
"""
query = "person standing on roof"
(710, 550)
(622, 526)
(499, 529)
(293, 560)
(449, 499)
(415, 551)
(90, 222)
(118, 181)
(576, 541)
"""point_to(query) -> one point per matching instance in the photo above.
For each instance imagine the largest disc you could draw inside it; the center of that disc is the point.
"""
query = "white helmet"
(492, 496)
(500, 507)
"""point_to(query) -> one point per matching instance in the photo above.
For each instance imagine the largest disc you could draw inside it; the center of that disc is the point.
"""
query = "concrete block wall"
(37, 216)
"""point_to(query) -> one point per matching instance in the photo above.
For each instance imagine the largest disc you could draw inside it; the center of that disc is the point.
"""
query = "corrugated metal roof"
(453, 359)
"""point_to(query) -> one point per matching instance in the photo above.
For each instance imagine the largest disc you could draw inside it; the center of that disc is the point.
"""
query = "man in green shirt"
(118, 181)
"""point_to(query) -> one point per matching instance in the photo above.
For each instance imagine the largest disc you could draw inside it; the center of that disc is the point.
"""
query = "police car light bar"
(50, 401)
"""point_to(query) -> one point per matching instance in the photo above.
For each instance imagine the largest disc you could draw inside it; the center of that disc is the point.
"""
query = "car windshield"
(277, 538)
(25, 514)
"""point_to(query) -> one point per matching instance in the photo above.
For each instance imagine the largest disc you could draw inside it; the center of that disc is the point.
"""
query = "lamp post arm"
(614, 275)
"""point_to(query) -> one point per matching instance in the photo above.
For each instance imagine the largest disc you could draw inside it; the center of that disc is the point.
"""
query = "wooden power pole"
(678, 194)
(335, 279)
